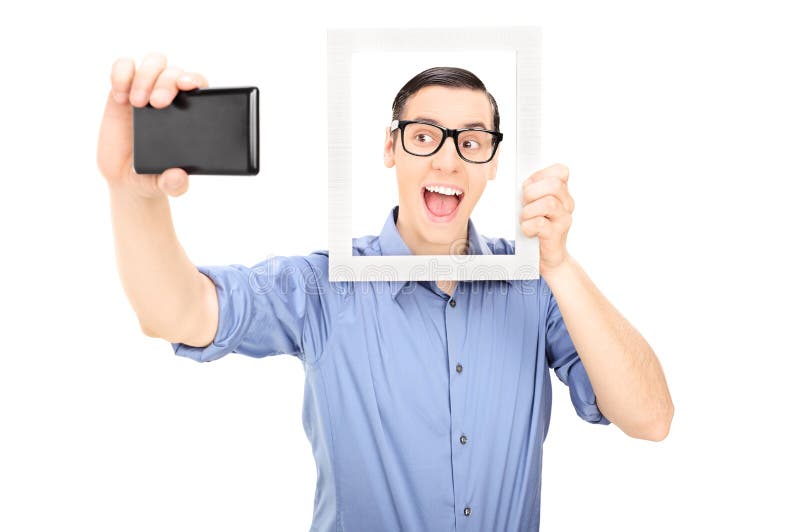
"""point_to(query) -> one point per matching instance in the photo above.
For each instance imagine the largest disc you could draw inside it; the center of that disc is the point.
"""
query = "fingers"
(174, 181)
(153, 82)
(545, 228)
(192, 80)
(144, 80)
(552, 187)
(545, 218)
(166, 88)
(121, 77)
(538, 226)
(549, 207)
(557, 170)
(172, 80)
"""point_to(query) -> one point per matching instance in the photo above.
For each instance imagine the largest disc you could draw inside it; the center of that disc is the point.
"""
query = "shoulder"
(315, 267)
(318, 259)
(319, 266)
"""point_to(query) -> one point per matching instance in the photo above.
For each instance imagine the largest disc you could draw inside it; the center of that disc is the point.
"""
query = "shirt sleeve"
(263, 309)
(563, 358)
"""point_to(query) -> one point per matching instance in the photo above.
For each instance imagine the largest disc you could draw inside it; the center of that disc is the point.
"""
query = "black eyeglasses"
(424, 139)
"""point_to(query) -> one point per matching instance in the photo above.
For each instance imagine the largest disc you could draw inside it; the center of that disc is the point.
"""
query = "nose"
(447, 159)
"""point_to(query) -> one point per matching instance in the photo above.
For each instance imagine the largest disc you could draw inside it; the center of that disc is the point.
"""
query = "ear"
(388, 150)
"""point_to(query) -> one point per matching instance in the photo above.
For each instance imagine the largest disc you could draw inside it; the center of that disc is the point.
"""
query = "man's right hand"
(155, 83)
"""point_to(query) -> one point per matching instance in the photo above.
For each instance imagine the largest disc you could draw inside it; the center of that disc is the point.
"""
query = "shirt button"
(463, 439)
(459, 368)
(467, 511)
(452, 302)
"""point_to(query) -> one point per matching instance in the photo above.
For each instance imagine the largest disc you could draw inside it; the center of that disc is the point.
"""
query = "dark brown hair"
(448, 77)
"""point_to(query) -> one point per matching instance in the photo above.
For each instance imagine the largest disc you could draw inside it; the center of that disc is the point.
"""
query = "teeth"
(444, 190)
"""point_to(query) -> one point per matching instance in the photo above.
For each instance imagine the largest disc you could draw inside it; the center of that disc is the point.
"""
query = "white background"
(680, 126)
(376, 79)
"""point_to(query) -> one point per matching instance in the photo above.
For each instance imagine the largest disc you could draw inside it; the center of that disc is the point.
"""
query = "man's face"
(451, 108)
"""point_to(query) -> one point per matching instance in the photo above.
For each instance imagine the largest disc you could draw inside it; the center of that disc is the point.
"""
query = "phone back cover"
(203, 131)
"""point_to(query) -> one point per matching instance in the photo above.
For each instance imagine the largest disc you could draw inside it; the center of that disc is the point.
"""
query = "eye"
(474, 144)
(420, 137)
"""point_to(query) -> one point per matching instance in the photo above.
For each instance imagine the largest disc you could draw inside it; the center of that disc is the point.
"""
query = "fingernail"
(185, 78)
(120, 97)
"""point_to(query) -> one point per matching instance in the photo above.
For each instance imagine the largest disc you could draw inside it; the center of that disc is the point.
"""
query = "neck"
(419, 245)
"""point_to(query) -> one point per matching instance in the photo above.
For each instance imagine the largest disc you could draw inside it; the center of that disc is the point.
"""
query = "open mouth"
(441, 202)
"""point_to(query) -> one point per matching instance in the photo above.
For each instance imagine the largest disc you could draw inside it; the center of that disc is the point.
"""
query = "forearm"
(626, 376)
(161, 283)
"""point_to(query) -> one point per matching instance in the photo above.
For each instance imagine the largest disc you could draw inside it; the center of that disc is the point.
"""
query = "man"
(426, 403)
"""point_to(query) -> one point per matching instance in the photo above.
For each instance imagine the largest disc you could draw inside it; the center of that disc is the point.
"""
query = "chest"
(421, 349)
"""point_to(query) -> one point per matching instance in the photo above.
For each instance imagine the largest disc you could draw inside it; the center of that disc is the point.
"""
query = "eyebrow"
(470, 124)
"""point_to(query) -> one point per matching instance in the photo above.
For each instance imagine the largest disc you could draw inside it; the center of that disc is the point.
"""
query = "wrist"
(130, 196)
(135, 187)
(553, 273)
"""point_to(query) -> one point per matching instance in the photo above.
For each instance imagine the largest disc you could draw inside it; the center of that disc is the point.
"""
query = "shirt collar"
(391, 243)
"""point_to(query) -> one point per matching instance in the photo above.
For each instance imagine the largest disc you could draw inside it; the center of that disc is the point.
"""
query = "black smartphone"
(203, 131)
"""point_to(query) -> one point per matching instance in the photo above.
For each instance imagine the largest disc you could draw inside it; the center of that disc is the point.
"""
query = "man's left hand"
(547, 213)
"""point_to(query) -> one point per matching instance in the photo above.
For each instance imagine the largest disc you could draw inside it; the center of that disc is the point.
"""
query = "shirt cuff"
(230, 296)
(583, 396)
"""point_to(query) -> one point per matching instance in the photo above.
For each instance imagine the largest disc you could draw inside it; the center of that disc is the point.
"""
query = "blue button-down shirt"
(425, 412)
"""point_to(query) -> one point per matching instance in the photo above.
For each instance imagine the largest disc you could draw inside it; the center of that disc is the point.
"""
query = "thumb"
(174, 181)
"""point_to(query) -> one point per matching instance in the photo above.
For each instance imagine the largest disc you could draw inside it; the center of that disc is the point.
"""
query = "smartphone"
(203, 131)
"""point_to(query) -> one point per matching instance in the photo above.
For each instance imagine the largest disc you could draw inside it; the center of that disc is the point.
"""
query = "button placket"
(454, 322)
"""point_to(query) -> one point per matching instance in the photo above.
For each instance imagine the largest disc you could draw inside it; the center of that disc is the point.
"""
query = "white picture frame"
(342, 44)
